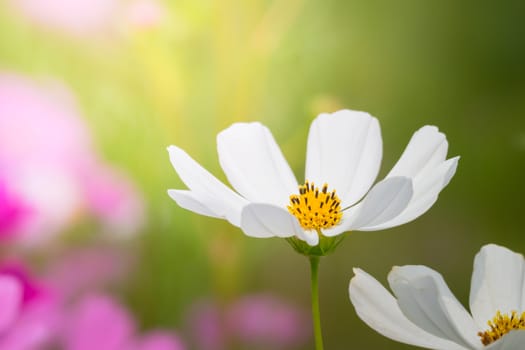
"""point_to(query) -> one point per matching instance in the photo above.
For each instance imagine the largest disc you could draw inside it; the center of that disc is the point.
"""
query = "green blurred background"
(459, 65)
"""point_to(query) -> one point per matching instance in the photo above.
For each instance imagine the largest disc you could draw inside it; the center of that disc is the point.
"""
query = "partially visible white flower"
(343, 157)
(425, 313)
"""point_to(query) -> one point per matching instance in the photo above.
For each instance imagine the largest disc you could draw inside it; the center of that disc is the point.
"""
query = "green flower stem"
(316, 315)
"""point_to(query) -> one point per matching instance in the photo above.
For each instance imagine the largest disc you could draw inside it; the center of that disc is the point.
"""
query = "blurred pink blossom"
(86, 270)
(255, 321)
(38, 315)
(112, 197)
(158, 340)
(10, 300)
(207, 326)
(75, 17)
(12, 212)
(50, 174)
(30, 288)
(40, 135)
(33, 328)
(99, 322)
(145, 14)
(90, 18)
(31, 309)
(264, 319)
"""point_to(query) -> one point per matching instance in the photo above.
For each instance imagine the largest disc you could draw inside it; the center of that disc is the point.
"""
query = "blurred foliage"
(455, 64)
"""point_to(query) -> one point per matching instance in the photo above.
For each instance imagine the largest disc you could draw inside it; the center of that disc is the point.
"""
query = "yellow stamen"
(315, 208)
(501, 325)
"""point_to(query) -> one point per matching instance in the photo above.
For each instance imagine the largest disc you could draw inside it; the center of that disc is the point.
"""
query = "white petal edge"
(379, 310)
(497, 283)
(427, 187)
(266, 220)
(206, 189)
(425, 299)
(385, 201)
(254, 164)
(309, 236)
(344, 150)
(10, 300)
(197, 204)
(426, 149)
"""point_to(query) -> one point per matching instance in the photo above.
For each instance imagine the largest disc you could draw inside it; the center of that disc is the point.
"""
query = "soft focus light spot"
(145, 14)
(79, 18)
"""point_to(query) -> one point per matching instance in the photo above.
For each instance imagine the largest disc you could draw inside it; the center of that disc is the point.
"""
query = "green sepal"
(327, 245)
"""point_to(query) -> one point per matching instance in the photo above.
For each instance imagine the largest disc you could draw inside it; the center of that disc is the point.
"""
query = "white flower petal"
(426, 149)
(267, 220)
(427, 187)
(254, 164)
(10, 300)
(514, 340)
(342, 227)
(309, 236)
(379, 310)
(426, 300)
(385, 201)
(191, 201)
(497, 283)
(344, 150)
(206, 189)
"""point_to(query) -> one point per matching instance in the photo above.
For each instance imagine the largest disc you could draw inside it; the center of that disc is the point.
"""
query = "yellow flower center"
(501, 325)
(315, 208)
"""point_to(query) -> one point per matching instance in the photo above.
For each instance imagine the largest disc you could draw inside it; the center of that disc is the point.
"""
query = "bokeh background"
(146, 74)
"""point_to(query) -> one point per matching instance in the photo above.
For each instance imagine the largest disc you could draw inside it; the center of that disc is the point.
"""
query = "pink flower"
(50, 174)
(158, 340)
(82, 270)
(112, 198)
(10, 301)
(207, 326)
(253, 321)
(145, 14)
(36, 314)
(40, 137)
(100, 19)
(12, 212)
(30, 289)
(263, 319)
(28, 311)
(79, 18)
(98, 322)
(34, 327)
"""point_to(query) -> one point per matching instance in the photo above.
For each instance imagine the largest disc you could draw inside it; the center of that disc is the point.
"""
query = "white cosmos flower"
(425, 313)
(344, 152)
